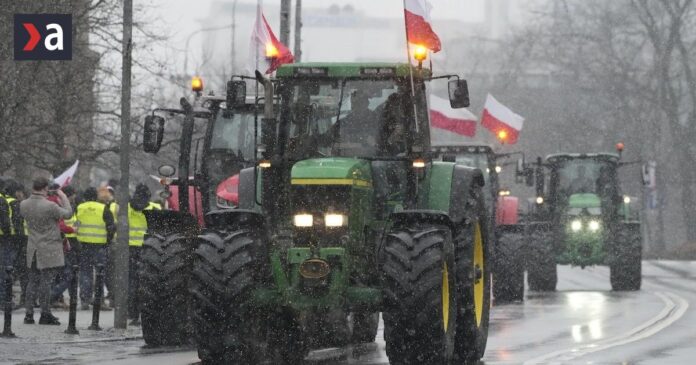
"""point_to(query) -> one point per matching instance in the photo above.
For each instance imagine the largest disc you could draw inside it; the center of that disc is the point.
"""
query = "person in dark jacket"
(17, 239)
(95, 229)
(8, 250)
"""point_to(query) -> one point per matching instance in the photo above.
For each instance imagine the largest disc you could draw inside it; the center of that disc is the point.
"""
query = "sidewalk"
(46, 334)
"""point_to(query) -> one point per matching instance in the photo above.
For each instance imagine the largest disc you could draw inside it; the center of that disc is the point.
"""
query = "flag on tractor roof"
(502, 121)
(419, 30)
(267, 53)
(459, 121)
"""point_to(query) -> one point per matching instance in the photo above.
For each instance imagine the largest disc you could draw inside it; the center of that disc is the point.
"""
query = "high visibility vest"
(70, 222)
(91, 225)
(137, 224)
(9, 201)
(113, 207)
(2, 196)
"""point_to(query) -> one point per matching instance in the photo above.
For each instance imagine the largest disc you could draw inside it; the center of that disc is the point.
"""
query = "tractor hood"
(332, 171)
(584, 201)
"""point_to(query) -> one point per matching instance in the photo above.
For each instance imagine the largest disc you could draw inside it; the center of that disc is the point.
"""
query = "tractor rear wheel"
(420, 290)
(474, 286)
(164, 275)
(625, 271)
(541, 263)
(508, 274)
(226, 267)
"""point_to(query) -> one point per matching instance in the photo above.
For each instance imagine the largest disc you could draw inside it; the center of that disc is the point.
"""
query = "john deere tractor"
(583, 219)
(507, 236)
(225, 143)
(346, 215)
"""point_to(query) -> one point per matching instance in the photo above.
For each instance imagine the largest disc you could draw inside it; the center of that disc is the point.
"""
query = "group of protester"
(47, 231)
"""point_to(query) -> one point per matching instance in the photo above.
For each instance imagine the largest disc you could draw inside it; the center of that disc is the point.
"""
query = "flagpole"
(410, 71)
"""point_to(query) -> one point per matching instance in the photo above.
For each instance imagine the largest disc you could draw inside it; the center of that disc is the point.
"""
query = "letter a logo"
(43, 37)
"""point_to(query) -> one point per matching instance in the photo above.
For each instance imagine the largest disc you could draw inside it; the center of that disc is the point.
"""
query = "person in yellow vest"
(139, 203)
(95, 230)
(72, 256)
(13, 239)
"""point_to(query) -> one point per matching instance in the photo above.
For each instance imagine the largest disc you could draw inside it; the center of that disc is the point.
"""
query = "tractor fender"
(467, 184)
(246, 191)
(168, 222)
(421, 215)
(234, 218)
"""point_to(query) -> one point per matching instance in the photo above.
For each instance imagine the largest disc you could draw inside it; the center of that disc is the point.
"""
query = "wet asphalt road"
(582, 322)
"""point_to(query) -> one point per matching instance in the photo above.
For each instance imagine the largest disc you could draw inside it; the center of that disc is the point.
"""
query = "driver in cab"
(582, 183)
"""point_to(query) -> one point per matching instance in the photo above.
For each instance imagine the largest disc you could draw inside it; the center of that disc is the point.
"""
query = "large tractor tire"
(541, 262)
(420, 291)
(508, 273)
(625, 270)
(474, 286)
(164, 276)
(226, 267)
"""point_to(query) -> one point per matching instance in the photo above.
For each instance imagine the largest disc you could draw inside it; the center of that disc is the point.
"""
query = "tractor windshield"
(584, 176)
(347, 117)
(479, 161)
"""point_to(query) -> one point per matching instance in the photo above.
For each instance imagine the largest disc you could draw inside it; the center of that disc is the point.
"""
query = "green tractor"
(583, 219)
(506, 230)
(346, 215)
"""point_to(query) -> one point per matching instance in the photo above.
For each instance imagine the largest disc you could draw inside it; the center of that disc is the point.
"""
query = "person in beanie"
(44, 247)
(139, 203)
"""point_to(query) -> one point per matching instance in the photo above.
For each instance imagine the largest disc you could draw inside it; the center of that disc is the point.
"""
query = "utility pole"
(298, 30)
(120, 247)
(285, 21)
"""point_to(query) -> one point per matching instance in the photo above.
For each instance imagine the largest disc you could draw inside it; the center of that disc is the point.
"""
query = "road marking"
(675, 307)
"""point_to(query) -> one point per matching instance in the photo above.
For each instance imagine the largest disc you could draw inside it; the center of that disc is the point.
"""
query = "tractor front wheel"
(420, 291)
(164, 274)
(625, 270)
(226, 268)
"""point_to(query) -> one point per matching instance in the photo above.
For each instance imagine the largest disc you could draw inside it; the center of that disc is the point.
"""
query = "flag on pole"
(502, 121)
(418, 28)
(266, 51)
(459, 121)
(66, 177)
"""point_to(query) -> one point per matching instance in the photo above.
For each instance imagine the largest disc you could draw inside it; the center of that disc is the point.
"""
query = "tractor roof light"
(540, 200)
(271, 50)
(504, 193)
(264, 164)
(420, 53)
(620, 147)
(502, 135)
(196, 84)
(418, 163)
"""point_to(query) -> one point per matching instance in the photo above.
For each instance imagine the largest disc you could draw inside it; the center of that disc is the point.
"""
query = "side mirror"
(236, 94)
(166, 170)
(458, 93)
(153, 133)
(540, 182)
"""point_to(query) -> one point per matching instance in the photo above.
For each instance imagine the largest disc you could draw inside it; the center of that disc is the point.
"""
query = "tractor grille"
(318, 200)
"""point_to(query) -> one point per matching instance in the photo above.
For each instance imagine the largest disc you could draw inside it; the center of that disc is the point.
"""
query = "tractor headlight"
(593, 225)
(576, 225)
(334, 220)
(303, 220)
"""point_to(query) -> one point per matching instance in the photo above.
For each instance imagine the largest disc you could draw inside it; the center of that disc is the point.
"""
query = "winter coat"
(42, 217)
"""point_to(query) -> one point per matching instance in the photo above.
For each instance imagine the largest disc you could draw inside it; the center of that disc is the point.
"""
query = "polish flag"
(500, 120)
(418, 28)
(459, 121)
(66, 177)
(266, 52)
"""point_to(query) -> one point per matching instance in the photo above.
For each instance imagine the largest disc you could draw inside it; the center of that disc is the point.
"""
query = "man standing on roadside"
(44, 247)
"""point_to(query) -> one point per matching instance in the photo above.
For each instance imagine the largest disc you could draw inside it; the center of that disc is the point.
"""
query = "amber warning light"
(196, 84)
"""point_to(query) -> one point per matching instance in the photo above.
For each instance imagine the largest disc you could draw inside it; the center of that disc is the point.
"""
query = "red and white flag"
(418, 28)
(502, 121)
(459, 121)
(66, 177)
(266, 52)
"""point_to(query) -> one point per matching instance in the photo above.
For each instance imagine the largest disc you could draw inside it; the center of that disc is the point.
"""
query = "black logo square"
(43, 37)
